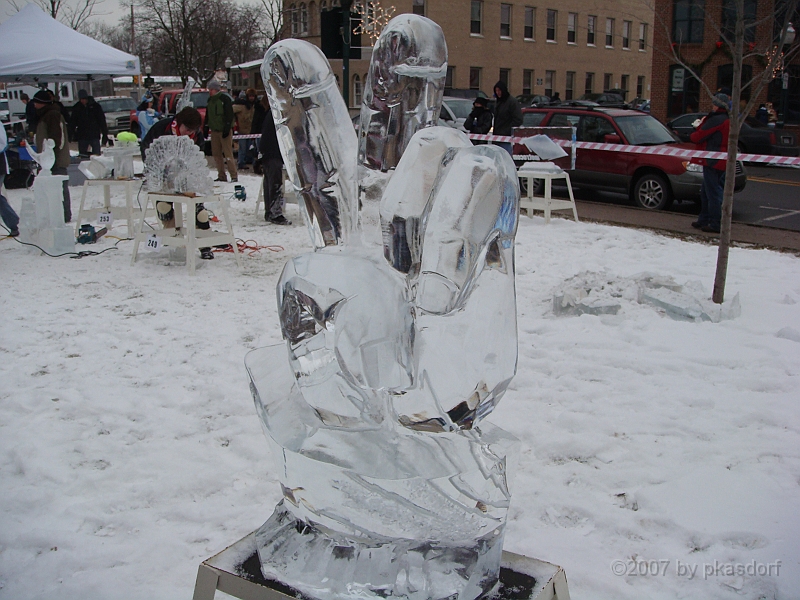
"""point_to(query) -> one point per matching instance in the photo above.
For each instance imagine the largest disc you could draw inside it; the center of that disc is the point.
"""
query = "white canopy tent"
(35, 48)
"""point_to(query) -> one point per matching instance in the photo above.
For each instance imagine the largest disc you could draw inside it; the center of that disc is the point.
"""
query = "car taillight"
(772, 138)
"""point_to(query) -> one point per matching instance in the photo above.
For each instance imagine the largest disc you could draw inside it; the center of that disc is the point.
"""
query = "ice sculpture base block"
(236, 571)
(324, 564)
(420, 516)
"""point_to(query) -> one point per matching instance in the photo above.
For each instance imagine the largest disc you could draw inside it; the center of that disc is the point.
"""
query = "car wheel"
(652, 192)
(538, 187)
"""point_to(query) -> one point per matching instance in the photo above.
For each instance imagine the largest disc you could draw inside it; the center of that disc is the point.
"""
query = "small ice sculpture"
(175, 165)
(46, 158)
(42, 217)
(393, 486)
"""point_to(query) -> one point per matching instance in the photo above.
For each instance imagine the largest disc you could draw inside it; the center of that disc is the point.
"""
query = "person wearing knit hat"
(480, 119)
(87, 123)
(51, 124)
(712, 135)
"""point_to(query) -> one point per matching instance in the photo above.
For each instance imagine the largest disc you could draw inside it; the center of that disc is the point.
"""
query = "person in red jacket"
(711, 134)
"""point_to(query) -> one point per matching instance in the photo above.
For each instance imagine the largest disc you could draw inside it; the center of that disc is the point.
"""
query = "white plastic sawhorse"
(236, 571)
(188, 236)
(548, 172)
(288, 191)
(126, 212)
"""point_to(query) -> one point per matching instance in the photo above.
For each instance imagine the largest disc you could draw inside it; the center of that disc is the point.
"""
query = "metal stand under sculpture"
(393, 486)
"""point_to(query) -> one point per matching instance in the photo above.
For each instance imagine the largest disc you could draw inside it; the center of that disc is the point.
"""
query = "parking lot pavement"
(680, 226)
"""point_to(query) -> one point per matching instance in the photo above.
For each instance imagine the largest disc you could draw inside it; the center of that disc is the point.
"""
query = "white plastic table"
(546, 171)
(127, 212)
(188, 236)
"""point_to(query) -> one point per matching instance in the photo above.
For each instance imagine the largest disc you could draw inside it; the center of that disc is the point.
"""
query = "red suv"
(652, 181)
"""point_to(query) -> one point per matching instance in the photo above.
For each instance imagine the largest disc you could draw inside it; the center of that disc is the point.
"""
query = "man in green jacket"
(219, 113)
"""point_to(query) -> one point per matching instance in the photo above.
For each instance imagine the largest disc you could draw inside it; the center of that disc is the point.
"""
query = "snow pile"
(659, 457)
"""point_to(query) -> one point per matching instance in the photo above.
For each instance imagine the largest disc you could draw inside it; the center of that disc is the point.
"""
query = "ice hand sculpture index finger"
(393, 486)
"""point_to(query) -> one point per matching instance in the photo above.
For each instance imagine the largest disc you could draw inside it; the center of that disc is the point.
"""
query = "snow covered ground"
(657, 457)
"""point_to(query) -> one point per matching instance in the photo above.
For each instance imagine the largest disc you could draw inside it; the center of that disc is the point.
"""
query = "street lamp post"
(148, 81)
(790, 36)
(228, 65)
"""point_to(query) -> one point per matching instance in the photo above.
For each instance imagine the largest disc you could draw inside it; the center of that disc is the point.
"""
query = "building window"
(527, 82)
(418, 7)
(570, 85)
(640, 86)
(294, 18)
(626, 35)
(505, 76)
(505, 20)
(356, 90)
(590, 26)
(450, 77)
(609, 33)
(642, 36)
(549, 83)
(607, 79)
(589, 85)
(303, 19)
(572, 21)
(474, 78)
(729, 14)
(552, 21)
(530, 21)
(688, 20)
(623, 85)
(725, 78)
(476, 16)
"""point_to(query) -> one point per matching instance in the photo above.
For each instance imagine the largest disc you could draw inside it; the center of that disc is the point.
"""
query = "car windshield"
(200, 99)
(117, 104)
(3, 104)
(460, 108)
(644, 130)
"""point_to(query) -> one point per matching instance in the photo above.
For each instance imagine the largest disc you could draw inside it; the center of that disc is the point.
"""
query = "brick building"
(694, 22)
(571, 47)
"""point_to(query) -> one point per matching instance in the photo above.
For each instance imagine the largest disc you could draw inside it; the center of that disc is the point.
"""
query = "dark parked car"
(464, 93)
(605, 99)
(652, 181)
(754, 138)
(526, 100)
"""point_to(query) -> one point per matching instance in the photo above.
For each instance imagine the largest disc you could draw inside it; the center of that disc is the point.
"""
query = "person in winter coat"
(7, 213)
(87, 124)
(272, 164)
(711, 135)
(507, 114)
(147, 115)
(50, 124)
(260, 111)
(244, 108)
(480, 119)
(187, 122)
(219, 113)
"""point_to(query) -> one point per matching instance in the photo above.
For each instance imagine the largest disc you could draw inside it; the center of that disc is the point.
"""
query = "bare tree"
(194, 37)
(736, 33)
(271, 20)
(74, 13)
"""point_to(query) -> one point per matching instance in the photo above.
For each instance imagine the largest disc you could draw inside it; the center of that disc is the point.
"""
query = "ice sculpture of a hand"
(391, 487)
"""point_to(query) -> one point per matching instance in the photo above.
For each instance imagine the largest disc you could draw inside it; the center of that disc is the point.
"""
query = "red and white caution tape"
(662, 150)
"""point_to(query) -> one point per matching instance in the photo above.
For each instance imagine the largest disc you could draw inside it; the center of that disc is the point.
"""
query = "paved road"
(771, 198)
(765, 214)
